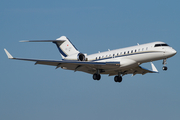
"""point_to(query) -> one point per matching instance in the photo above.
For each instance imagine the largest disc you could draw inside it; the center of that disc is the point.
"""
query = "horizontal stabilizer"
(42, 41)
(61, 40)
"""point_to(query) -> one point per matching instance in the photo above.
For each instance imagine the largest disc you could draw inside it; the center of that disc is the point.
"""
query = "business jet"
(116, 63)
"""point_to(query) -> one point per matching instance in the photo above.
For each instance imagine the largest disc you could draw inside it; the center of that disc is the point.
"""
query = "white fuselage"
(135, 55)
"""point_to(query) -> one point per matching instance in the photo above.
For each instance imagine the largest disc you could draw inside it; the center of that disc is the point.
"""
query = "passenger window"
(131, 51)
(135, 50)
(142, 49)
(139, 50)
(124, 52)
(147, 48)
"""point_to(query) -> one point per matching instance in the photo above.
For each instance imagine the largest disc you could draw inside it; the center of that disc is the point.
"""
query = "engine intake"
(81, 57)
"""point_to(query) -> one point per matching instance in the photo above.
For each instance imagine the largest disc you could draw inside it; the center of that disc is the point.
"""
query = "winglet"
(154, 68)
(8, 54)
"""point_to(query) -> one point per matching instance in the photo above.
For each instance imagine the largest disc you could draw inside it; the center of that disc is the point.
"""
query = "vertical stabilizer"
(65, 47)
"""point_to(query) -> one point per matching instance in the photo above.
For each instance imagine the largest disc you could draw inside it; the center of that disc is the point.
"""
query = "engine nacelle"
(78, 56)
(81, 57)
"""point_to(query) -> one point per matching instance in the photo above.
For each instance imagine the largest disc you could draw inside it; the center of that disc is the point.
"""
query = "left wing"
(85, 66)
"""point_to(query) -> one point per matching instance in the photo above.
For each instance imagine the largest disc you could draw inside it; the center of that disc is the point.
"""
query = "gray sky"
(41, 92)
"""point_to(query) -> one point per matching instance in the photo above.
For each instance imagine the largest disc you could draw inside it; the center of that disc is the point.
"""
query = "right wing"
(136, 70)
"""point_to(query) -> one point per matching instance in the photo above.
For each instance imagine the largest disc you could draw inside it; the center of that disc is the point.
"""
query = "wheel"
(96, 76)
(118, 79)
(165, 68)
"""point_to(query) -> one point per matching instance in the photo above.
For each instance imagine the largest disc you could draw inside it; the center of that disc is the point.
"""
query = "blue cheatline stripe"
(60, 50)
(124, 55)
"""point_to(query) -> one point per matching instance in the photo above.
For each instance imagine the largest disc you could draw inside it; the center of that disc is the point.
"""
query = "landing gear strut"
(164, 63)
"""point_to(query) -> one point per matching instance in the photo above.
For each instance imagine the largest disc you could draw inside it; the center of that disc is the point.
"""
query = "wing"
(136, 70)
(85, 66)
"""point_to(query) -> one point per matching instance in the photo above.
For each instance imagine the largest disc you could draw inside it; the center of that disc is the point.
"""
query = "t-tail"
(64, 45)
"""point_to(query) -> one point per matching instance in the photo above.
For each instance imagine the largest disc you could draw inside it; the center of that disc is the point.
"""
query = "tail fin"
(66, 48)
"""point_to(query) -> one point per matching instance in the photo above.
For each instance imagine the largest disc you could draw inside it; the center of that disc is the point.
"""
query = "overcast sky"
(29, 92)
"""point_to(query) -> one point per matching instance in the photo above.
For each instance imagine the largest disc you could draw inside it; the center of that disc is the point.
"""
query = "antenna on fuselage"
(109, 50)
(137, 43)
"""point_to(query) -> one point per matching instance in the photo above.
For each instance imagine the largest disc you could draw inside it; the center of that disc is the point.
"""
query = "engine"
(81, 57)
(78, 56)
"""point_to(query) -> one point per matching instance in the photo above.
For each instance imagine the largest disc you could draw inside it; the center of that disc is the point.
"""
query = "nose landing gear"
(165, 68)
(164, 63)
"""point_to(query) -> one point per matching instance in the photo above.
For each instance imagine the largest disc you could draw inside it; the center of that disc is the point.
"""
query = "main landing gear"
(96, 76)
(118, 79)
(164, 63)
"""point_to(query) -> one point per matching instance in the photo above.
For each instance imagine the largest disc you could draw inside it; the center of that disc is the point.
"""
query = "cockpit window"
(165, 45)
(159, 45)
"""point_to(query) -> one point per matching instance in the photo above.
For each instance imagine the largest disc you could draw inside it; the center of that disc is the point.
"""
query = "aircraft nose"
(173, 52)
(170, 52)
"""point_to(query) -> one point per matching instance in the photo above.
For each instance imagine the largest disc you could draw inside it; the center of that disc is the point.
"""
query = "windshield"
(159, 45)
